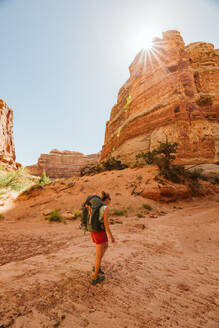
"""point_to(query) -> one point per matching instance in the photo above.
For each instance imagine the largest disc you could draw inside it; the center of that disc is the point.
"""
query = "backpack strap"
(89, 209)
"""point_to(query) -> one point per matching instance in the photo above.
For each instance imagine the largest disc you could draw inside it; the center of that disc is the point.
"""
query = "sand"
(162, 271)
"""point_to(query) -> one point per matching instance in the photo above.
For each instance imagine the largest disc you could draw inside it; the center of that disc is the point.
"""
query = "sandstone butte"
(62, 164)
(172, 92)
(7, 149)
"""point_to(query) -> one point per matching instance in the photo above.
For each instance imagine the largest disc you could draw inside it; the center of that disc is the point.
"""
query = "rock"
(7, 149)
(67, 215)
(140, 226)
(208, 170)
(62, 164)
(173, 94)
(167, 193)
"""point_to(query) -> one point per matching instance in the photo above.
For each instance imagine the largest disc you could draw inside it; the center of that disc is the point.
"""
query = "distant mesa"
(63, 164)
(172, 92)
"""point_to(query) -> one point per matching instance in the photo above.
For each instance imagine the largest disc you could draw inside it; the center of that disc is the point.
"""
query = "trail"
(161, 272)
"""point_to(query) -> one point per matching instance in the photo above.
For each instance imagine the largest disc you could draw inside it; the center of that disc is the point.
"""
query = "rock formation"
(172, 92)
(7, 150)
(62, 164)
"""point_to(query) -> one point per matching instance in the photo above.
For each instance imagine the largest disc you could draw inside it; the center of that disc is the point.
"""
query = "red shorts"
(99, 237)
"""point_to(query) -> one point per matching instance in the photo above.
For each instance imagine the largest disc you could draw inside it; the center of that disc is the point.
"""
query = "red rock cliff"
(7, 150)
(173, 91)
(62, 164)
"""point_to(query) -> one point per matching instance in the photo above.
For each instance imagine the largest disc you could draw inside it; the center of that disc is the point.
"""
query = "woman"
(101, 240)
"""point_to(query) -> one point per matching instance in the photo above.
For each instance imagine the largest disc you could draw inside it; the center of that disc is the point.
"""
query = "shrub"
(76, 214)
(44, 180)
(147, 207)
(161, 156)
(108, 165)
(118, 212)
(140, 215)
(16, 180)
(195, 188)
(148, 158)
(113, 164)
(71, 184)
(174, 173)
(1, 217)
(196, 174)
(54, 216)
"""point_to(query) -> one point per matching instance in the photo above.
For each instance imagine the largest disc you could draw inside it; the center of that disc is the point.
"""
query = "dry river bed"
(161, 272)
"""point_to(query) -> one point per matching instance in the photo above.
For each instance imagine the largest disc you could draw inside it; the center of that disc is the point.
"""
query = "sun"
(142, 41)
(148, 44)
(143, 38)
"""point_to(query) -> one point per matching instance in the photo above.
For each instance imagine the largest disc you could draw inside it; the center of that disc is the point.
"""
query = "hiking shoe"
(96, 281)
(100, 270)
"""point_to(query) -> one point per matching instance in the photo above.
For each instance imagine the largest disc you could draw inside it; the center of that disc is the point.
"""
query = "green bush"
(140, 215)
(174, 173)
(71, 184)
(54, 216)
(77, 214)
(108, 165)
(160, 156)
(44, 180)
(1, 217)
(147, 207)
(16, 180)
(146, 158)
(117, 212)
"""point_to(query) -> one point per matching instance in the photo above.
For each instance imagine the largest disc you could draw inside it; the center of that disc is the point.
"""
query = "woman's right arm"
(106, 225)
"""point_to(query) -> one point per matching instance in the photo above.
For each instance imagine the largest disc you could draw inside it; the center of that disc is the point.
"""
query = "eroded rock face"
(7, 149)
(172, 92)
(62, 164)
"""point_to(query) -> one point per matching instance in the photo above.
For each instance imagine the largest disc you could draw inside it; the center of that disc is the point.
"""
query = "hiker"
(95, 216)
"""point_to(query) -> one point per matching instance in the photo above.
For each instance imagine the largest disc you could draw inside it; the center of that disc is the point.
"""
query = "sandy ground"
(163, 271)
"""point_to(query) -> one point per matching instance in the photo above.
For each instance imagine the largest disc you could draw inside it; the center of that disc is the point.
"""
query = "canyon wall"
(7, 150)
(62, 164)
(172, 92)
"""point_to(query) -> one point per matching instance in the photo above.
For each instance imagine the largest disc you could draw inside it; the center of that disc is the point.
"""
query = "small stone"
(140, 226)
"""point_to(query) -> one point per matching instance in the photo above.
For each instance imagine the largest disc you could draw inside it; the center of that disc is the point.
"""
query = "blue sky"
(63, 62)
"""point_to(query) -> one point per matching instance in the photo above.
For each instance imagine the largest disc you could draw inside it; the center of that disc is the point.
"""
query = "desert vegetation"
(108, 165)
(54, 216)
(43, 180)
(20, 181)
(16, 180)
(163, 157)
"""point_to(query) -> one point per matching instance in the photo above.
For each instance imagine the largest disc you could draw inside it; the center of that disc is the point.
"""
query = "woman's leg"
(104, 249)
(99, 251)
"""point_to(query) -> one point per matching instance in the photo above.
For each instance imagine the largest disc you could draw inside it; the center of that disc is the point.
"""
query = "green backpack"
(90, 214)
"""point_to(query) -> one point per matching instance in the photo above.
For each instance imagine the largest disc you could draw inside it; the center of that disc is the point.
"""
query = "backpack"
(90, 214)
